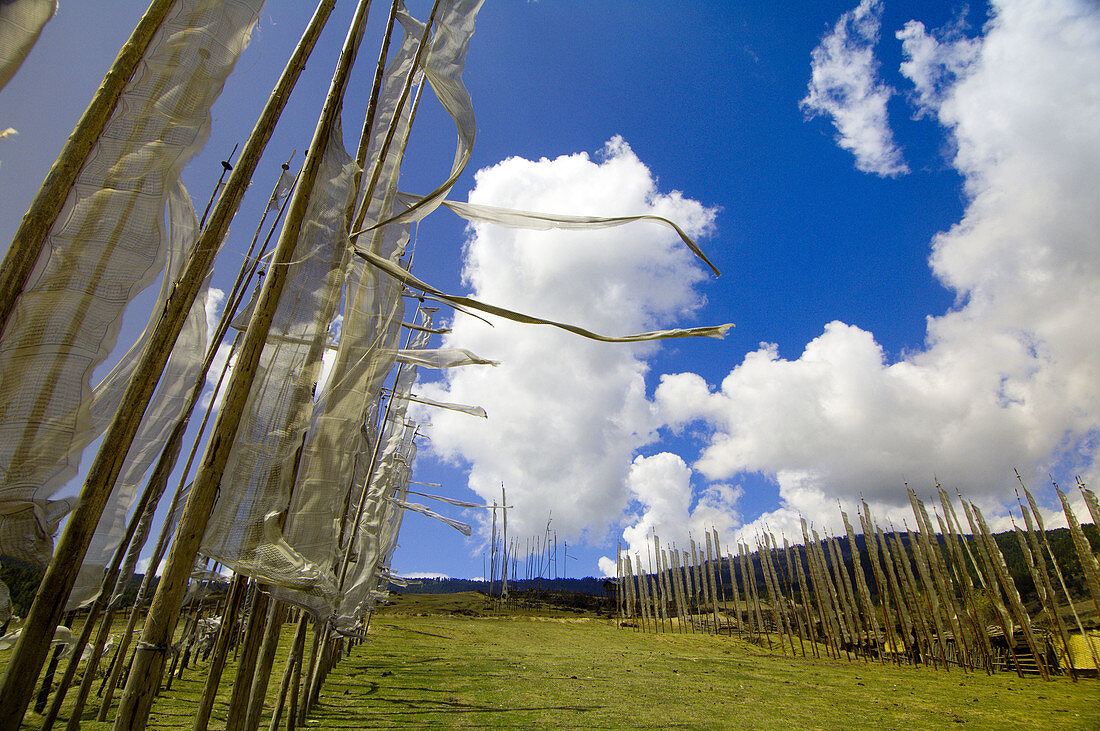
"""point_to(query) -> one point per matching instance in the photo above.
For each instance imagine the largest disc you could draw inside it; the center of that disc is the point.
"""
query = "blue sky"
(929, 323)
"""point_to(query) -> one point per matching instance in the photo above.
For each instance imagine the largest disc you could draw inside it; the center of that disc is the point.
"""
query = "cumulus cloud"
(1006, 378)
(566, 415)
(671, 508)
(845, 87)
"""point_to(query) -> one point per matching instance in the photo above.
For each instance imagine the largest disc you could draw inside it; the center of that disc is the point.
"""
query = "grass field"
(446, 662)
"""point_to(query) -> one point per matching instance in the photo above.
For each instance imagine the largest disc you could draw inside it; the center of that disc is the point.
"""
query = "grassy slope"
(449, 671)
(453, 668)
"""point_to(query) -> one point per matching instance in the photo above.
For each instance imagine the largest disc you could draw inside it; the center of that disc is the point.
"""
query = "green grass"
(450, 662)
(457, 672)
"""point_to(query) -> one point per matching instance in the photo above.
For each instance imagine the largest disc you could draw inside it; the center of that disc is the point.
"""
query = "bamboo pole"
(982, 650)
(949, 590)
(73, 543)
(842, 622)
(30, 238)
(930, 593)
(896, 580)
(786, 593)
(689, 586)
(1091, 502)
(805, 599)
(628, 575)
(293, 660)
(652, 588)
(90, 668)
(659, 595)
(685, 583)
(668, 587)
(802, 613)
(504, 540)
(750, 604)
(47, 679)
(761, 625)
(1045, 599)
(150, 496)
(101, 601)
(902, 562)
(309, 673)
(832, 644)
(775, 569)
(643, 592)
(700, 585)
(681, 573)
(295, 663)
(375, 177)
(773, 594)
(844, 594)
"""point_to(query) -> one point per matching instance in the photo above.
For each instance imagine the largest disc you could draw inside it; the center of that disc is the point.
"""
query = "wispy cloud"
(845, 87)
(934, 61)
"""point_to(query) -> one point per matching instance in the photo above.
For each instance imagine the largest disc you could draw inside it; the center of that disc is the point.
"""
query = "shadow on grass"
(414, 631)
(418, 707)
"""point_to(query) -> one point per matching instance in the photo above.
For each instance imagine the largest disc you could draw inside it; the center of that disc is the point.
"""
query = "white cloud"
(214, 375)
(424, 575)
(671, 508)
(661, 485)
(566, 415)
(1007, 378)
(215, 301)
(933, 62)
(845, 87)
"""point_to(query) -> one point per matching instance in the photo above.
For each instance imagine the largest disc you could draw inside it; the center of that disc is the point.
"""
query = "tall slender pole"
(221, 651)
(504, 540)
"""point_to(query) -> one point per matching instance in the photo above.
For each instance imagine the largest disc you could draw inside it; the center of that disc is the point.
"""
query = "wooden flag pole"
(221, 651)
(276, 616)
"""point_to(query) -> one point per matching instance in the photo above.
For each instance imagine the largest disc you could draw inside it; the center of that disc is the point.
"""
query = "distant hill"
(588, 585)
